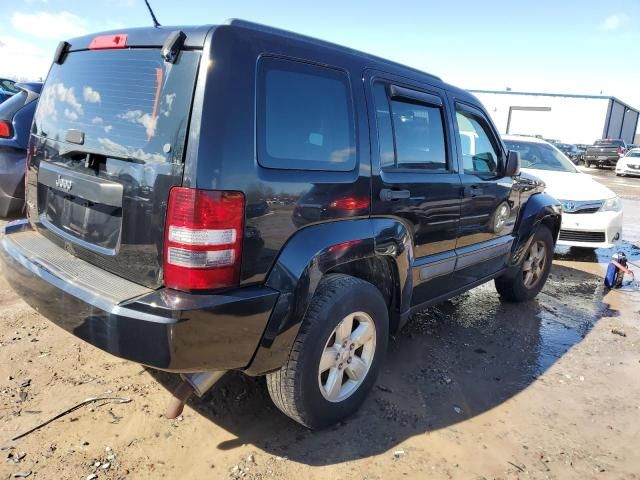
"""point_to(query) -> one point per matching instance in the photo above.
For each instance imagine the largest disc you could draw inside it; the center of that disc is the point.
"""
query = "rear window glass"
(9, 107)
(128, 103)
(610, 143)
(305, 117)
(9, 86)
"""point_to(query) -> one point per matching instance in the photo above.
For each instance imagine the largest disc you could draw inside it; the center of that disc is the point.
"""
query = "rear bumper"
(164, 329)
(611, 161)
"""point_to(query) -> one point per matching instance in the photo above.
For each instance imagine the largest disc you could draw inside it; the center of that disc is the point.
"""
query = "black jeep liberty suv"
(202, 199)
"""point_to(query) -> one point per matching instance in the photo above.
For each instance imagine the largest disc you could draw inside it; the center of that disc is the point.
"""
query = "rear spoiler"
(146, 37)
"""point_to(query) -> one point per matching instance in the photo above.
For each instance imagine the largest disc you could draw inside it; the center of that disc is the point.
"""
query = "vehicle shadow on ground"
(452, 362)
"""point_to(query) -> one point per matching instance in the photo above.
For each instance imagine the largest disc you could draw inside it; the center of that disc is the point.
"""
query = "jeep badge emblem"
(64, 183)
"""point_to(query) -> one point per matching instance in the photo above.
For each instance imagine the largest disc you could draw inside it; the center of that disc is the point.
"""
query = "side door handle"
(473, 190)
(386, 194)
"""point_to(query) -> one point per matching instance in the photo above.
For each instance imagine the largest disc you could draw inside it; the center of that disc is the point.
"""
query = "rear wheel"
(336, 356)
(526, 282)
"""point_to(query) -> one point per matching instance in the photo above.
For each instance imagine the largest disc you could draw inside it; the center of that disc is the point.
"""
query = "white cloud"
(90, 95)
(57, 26)
(23, 60)
(613, 22)
(137, 116)
(97, 120)
(70, 114)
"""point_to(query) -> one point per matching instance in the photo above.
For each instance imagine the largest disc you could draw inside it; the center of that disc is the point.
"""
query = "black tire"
(295, 388)
(512, 286)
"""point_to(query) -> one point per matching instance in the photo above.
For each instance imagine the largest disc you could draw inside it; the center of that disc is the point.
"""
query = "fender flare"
(540, 208)
(307, 257)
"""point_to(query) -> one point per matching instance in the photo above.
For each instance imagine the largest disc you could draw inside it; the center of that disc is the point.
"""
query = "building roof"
(570, 95)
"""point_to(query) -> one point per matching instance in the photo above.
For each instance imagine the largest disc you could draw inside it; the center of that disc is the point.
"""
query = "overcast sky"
(557, 46)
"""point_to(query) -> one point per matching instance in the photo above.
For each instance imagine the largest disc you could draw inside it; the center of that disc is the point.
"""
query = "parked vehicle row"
(156, 228)
(16, 115)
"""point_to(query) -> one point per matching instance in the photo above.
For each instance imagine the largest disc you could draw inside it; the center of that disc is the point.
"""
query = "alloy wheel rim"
(347, 357)
(533, 266)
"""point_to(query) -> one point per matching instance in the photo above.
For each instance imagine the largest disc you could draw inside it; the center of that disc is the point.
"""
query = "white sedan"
(629, 164)
(591, 212)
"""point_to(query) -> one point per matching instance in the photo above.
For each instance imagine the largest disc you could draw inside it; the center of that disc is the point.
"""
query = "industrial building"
(577, 119)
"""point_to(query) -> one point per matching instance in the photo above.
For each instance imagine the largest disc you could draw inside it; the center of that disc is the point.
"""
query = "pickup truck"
(605, 152)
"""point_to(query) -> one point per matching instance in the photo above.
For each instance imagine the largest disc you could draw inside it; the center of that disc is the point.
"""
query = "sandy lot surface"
(472, 389)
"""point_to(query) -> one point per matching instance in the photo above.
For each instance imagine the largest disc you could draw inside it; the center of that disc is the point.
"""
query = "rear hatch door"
(107, 146)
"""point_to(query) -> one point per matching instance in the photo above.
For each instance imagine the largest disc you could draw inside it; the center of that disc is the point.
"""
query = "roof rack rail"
(305, 38)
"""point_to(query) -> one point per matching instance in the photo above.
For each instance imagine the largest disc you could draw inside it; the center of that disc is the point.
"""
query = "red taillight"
(350, 203)
(5, 129)
(203, 239)
(103, 42)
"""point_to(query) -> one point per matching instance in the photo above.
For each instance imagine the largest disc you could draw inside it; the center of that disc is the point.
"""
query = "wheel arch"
(379, 251)
(540, 209)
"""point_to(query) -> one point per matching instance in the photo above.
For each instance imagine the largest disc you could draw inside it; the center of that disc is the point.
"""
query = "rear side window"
(410, 134)
(305, 117)
(128, 103)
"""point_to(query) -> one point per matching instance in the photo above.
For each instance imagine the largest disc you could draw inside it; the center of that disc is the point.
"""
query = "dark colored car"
(163, 207)
(8, 88)
(605, 152)
(571, 151)
(16, 115)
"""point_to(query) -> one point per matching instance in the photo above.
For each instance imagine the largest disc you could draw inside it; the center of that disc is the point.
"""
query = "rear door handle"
(386, 194)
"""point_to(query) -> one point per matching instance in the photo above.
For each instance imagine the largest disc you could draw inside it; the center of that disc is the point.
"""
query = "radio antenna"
(156, 23)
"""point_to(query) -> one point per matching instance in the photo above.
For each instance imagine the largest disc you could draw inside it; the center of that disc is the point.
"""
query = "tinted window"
(419, 136)
(305, 117)
(385, 130)
(9, 86)
(478, 153)
(128, 103)
(540, 156)
(9, 107)
(610, 143)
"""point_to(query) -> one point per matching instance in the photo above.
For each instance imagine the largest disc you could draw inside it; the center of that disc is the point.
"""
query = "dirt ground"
(472, 389)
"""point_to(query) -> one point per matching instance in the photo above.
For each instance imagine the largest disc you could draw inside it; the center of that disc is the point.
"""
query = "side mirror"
(512, 167)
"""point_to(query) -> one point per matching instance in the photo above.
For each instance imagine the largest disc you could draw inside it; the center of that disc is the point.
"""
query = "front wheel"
(527, 280)
(335, 358)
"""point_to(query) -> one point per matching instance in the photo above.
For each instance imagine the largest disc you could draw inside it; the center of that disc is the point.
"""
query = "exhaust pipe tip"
(198, 383)
(180, 395)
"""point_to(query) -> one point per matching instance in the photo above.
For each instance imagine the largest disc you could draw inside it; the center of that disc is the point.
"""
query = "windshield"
(127, 103)
(634, 153)
(541, 156)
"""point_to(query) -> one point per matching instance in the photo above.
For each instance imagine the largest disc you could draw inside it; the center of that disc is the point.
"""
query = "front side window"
(305, 117)
(479, 156)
